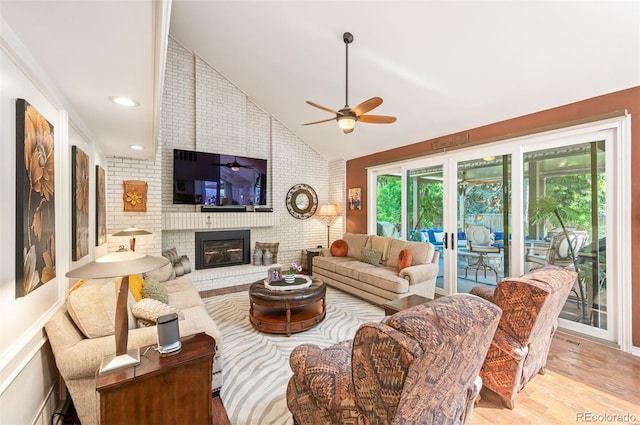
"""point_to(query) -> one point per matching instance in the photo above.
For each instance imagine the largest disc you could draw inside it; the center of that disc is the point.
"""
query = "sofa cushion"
(329, 263)
(135, 286)
(154, 289)
(371, 256)
(404, 259)
(92, 307)
(171, 255)
(163, 274)
(147, 310)
(384, 278)
(420, 252)
(339, 248)
(356, 242)
(352, 268)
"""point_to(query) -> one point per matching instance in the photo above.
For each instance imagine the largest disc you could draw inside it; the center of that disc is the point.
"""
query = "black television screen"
(216, 179)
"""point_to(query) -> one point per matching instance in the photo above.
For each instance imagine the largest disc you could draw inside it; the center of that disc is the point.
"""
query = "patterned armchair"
(530, 307)
(418, 366)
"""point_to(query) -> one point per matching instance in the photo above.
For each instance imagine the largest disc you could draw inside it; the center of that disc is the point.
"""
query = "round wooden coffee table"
(287, 312)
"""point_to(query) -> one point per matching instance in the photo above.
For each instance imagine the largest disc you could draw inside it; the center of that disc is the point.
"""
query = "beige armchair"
(530, 307)
(418, 366)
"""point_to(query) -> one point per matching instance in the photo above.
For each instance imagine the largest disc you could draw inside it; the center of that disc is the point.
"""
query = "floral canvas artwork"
(79, 203)
(101, 207)
(35, 200)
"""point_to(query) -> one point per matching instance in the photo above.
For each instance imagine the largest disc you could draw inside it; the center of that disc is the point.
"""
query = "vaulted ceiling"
(440, 66)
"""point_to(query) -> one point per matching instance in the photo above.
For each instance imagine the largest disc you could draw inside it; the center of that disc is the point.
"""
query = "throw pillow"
(77, 285)
(92, 307)
(171, 255)
(148, 310)
(371, 256)
(271, 247)
(339, 248)
(156, 290)
(163, 274)
(404, 259)
(135, 286)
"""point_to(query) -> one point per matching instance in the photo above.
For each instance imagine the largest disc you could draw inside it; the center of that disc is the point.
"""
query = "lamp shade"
(132, 231)
(118, 264)
(329, 210)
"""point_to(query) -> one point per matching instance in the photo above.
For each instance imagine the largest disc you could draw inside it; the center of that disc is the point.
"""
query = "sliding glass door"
(504, 209)
(567, 225)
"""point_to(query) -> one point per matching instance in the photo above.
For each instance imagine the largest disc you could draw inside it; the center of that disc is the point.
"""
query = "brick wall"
(203, 111)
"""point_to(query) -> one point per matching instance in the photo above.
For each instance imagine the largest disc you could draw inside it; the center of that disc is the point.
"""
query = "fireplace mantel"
(223, 220)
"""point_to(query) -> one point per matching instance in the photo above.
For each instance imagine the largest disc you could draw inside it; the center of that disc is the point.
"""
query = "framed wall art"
(135, 196)
(101, 206)
(355, 198)
(35, 200)
(79, 203)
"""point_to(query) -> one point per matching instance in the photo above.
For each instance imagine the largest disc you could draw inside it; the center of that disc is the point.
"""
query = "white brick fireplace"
(203, 111)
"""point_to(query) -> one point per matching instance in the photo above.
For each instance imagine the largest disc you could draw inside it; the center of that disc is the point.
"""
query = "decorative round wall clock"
(302, 201)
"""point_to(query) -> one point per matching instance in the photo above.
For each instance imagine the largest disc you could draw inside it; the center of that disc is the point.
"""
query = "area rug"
(256, 365)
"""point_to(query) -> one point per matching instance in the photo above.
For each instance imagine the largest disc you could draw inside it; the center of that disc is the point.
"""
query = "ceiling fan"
(347, 117)
(234, 166)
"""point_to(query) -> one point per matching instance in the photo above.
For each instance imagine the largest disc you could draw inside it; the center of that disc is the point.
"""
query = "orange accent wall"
(628, 99)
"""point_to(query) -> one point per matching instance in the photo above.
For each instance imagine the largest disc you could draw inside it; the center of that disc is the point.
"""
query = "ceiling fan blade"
(376, 119)
(324, 108)
(367, 105)
(347, 130)
(318, 122)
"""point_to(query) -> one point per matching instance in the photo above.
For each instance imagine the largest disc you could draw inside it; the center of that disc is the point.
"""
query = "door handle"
(445, 240)
(452, 243)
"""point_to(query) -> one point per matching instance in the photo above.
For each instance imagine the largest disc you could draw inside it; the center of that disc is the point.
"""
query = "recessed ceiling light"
(137, 147)
(123, 101)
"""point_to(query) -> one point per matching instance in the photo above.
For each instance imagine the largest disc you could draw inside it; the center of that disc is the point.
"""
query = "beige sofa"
(379, 283)
(78, 357)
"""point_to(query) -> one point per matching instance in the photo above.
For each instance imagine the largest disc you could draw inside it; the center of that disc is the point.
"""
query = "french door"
(504, 209)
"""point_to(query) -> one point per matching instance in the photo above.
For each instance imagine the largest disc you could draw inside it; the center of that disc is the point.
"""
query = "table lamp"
(328, 213)
(119, 264)
(132, 231)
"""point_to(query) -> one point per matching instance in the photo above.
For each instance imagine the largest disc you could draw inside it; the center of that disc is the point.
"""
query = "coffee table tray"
(300, 282)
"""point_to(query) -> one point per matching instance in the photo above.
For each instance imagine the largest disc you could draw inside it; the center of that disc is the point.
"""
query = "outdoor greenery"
(567, 202)
(389, 196)
(572, 193)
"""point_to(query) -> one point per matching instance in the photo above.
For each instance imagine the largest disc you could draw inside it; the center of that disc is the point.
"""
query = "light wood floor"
(582, 378)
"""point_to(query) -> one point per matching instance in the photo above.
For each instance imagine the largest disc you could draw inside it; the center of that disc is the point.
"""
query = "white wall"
(203, 111)
(28, 377)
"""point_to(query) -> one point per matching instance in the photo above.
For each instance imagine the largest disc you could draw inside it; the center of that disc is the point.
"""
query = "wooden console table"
(397, 305)
(162, 389)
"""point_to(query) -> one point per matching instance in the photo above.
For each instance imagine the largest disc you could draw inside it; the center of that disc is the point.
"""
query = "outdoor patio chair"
(559, 254)
(479, 242)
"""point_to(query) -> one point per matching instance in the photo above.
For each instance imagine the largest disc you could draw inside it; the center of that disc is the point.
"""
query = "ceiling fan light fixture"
(235, 168)
(347, 122)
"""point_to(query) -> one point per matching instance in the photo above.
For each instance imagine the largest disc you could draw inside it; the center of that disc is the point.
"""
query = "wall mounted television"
(202, 178)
